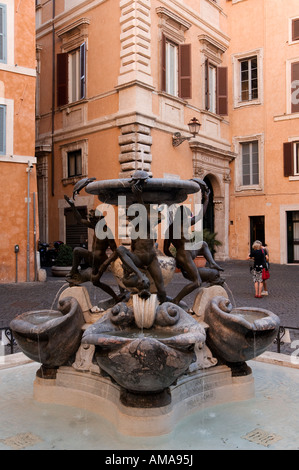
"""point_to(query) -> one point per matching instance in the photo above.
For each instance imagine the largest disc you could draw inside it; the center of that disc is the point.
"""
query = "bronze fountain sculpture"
(146, 344)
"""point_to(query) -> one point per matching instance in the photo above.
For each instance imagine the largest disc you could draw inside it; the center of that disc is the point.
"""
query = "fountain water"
(180, 363)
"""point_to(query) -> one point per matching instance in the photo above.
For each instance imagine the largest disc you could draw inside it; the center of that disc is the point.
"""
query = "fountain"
(143, 360)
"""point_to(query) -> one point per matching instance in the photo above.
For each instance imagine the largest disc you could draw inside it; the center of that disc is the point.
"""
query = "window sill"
(286, 117)
(254, 188)
(241, 104)
(163, 94)
(72, 179)
(294, 178)
(211, 114)
(73, 104)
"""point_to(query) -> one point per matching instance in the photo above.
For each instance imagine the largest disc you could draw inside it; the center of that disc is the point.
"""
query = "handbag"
(266, 274)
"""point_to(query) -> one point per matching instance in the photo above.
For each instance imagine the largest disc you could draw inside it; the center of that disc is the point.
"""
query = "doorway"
(257, 229)
(293, 236)
(76, 234)
(209, 217)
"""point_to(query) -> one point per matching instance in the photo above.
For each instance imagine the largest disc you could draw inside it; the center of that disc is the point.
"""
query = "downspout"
(53, 96)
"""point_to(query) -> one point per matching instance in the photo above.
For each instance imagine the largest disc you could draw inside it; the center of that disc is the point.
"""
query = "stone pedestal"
(192, 392)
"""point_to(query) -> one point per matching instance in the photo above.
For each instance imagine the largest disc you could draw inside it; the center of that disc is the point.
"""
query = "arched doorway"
(209, 217)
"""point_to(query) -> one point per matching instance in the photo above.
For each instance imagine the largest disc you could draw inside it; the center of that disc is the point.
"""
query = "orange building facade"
(115, 81)
(264, 127)
(19, 224)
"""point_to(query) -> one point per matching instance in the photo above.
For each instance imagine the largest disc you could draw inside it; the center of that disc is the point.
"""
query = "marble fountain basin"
(239, 334)
(145, 360)
(50, 337)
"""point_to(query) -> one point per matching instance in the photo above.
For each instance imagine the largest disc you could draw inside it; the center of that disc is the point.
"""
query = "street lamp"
(194, 126)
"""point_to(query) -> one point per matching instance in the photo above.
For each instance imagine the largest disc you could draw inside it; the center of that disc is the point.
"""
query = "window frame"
(65, 81)
(296, 158)
(75, 155)
(3, 130)
(65, 150)
(220, 85)
(171, 76)
(237, 141)
(236, 60)
(291, 159)
(251, 163)
(3, 7)
(183, 80)
(249, 80)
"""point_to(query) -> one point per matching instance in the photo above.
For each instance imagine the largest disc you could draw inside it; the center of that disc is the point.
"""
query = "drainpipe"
(53, 95)
(28, 169)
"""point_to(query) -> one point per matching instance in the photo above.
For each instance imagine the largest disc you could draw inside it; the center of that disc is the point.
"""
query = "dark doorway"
(76, 234)
(257, 229)
(208, 220)
(293, 236)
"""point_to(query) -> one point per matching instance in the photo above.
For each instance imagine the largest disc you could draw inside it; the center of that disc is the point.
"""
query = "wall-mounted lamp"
(194, 126)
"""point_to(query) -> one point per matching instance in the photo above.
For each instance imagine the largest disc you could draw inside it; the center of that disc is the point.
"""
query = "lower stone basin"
(145, 361)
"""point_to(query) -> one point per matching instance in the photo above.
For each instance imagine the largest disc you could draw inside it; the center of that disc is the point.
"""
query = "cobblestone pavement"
(283, 298)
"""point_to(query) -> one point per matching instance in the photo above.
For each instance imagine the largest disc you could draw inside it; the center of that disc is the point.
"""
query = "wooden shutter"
(221, 91)
(62, 79)
(163, 64)
(288, 158)
(82, 70)
(295, 30)
(295, 87)
(185, 71)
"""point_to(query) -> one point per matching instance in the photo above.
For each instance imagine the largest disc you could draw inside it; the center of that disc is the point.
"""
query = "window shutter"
(207, 88)
(288, 158)
(295, 88)
(222, 98)
(2, 130)
(82, 70)
(295, 30)
(185, 71)
(163, 64)
(62, 79)
(3, 33)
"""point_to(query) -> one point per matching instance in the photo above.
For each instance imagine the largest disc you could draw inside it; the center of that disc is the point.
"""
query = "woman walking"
(258, 255)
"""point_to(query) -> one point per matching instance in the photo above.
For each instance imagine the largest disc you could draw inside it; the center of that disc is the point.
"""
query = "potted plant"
(64, 261)
(210, 239)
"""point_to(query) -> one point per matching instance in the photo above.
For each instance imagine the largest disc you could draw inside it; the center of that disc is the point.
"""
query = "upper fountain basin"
(154, 190)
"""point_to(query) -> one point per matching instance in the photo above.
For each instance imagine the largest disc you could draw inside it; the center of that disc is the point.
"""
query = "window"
(2, 130)
(211, 88)
(74, 161)
(216, 89)
(250, 163)
(249, 79)
(176, 68)
(296, 158)
(295, 29)
(295, 87)
(3, 33)
(172, 56)
(248, 86)
(71, 76)
(291, 158)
